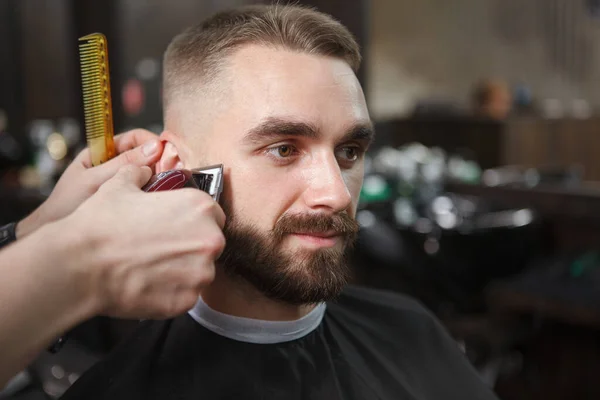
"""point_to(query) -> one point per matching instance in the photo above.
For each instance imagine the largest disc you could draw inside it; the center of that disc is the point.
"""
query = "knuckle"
(188, 300)
(180, 303)
(222, 242)
(204, 274)
(127, 168)
(200, 200)
(187, 198)
(130, 156)
(131, 296)
(202, 205)
(176, 305)
(215, 243)
(125, 174)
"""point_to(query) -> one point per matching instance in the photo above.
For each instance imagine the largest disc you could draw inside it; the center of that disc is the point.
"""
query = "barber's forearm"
(41, 295)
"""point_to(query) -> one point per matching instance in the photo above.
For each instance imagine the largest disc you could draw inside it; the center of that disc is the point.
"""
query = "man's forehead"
(261, 85)
(276, 81)
(268, 65)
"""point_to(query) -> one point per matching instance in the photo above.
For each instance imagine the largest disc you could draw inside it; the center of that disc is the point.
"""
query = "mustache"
(341, 224)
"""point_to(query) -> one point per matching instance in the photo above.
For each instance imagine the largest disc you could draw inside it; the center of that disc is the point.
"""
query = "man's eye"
(349, 153)
(284, 151)
(281, 151)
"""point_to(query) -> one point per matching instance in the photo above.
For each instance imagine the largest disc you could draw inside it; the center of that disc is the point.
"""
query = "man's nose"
(327, 189)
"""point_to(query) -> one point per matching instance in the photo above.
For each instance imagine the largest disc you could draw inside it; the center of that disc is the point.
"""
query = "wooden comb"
(97, 103)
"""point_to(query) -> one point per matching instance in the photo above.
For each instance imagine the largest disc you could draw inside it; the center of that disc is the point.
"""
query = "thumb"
(132, 175)
(145, 155)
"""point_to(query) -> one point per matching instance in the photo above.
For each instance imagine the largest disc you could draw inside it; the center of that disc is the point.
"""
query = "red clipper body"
(208, 179)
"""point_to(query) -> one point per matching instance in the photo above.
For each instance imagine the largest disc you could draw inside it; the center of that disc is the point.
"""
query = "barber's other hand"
(151, 253)
(79, 181)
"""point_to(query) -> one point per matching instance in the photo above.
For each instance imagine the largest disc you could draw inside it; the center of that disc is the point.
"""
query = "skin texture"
(253, 120)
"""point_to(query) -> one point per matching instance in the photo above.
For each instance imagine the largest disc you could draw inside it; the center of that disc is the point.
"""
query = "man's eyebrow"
(277, 127)
(362, 132)
(274, 127)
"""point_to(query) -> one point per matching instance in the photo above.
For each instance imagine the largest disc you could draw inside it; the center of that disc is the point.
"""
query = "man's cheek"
(354, 181)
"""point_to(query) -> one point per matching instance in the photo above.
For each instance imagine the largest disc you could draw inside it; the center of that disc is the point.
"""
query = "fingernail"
(150, 148)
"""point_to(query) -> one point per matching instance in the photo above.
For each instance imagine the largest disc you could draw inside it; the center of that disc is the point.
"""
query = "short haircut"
(196, 54)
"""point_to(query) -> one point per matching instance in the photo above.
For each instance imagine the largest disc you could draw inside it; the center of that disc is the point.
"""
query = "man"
(271, 92)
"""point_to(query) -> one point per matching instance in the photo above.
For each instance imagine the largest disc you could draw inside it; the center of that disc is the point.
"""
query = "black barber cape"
(368, 345)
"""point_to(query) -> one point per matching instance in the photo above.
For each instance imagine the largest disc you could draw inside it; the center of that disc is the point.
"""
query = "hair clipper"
(208, 179)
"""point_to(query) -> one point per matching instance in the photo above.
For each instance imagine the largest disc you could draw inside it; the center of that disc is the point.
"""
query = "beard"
(295, 277)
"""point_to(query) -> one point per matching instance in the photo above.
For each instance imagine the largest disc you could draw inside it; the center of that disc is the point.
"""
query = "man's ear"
(171, 156)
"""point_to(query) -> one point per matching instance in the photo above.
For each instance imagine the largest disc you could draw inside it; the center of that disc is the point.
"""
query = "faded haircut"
(196, 55)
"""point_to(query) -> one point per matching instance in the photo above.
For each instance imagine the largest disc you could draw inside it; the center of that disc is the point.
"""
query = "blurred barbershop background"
(482, 191)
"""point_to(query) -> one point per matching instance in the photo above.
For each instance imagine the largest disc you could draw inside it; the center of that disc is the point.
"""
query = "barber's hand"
(79, 181)
(152, 253)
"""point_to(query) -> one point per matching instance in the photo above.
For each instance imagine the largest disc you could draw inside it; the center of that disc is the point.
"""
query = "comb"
(97, 103)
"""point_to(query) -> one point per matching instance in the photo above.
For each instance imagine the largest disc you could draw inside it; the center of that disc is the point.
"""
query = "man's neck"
(239, 298)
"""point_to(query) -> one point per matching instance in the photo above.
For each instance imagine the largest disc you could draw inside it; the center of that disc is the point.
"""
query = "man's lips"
(324, 235)
(318, 239)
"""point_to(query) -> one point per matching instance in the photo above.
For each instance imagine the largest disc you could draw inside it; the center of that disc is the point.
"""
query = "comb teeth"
(97, 104)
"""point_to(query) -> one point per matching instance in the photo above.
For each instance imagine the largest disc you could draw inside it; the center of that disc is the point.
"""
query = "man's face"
(291, 130)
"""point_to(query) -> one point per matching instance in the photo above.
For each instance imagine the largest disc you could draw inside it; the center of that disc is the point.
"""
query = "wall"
(439, 48)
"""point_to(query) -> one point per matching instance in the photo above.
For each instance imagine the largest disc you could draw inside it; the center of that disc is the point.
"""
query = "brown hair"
(198, 51)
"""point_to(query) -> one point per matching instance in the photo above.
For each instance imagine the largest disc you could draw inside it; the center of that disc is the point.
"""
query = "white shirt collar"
(254, 330)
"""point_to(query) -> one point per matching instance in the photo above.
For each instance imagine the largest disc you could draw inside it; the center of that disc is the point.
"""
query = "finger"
(132, 139)
(83, 159)
(219, 215)
(213, 207)
(169, 303)
(145, 155)
(123, 143)
(131, 174)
